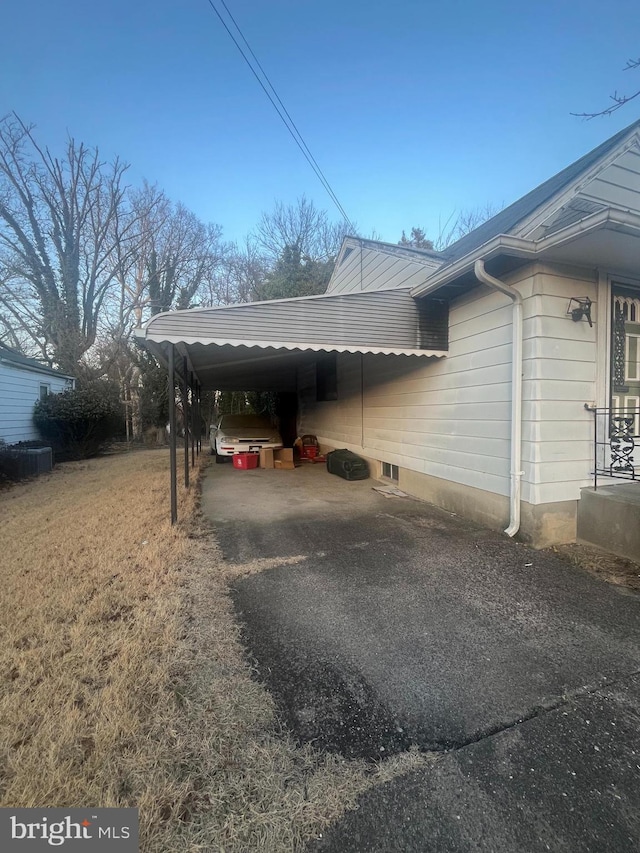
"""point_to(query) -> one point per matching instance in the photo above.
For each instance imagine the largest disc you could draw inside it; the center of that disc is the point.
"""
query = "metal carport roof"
(259, 345)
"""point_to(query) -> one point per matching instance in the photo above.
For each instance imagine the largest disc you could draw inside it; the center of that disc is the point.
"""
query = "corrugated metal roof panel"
(387, 321)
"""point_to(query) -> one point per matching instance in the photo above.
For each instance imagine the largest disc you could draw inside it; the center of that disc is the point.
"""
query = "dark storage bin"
(347, 465)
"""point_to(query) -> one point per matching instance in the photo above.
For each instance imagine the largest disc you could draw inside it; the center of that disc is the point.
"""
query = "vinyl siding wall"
(618, 184)
(560, 364)
(19, 392)
(445, 417)
(366, 269)
(450, 417)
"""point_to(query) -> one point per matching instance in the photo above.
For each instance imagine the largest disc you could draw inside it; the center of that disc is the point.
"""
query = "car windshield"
(245, 422)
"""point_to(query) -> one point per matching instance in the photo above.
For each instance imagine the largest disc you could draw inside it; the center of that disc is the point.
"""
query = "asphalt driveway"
(381, 623)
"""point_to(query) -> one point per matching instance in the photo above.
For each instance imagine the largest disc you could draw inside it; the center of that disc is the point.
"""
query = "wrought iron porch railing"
(616, 443)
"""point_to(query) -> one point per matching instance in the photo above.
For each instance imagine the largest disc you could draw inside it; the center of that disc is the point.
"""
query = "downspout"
(516, 392)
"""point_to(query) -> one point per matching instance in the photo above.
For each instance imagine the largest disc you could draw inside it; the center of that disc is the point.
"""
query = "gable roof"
(505, 221)
(12, 356)
(371, 265)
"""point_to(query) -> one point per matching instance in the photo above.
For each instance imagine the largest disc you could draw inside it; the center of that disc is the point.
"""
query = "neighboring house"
(24, 381)
(468, 377)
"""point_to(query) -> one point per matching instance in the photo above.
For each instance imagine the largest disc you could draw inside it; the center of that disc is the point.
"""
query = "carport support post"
(185, 420)
(194, 406)
(172, 435)
(198, 420)
(199, 396)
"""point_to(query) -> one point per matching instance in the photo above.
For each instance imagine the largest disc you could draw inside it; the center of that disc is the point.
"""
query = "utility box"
(18, 462)
(40, 459)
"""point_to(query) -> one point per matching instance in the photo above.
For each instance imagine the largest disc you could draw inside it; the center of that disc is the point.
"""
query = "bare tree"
(150, 209)
(459, 224)
(174, 258)
(617, 100)
(455, 226)
(57, 217)
(238, 276)
(301, 225)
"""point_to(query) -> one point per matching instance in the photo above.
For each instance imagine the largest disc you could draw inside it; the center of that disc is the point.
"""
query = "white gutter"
(518, 247)
(503, 244)
(516, 392)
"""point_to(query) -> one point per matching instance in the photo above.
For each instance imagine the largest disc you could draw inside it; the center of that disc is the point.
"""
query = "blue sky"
(413, 109)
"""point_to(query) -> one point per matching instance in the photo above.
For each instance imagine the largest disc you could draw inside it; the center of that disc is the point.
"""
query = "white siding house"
(447, 424)
(24, 381)
(483, 399)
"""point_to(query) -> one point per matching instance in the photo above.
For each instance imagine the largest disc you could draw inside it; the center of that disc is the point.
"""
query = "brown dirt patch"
(607, 567)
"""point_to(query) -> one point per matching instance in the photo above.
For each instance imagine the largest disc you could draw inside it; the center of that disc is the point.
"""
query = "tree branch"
(618, 100)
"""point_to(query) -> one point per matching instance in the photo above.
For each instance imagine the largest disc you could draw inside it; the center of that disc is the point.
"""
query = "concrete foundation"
(544, 525)
(476, 504)
(609, 518)
(541, 525)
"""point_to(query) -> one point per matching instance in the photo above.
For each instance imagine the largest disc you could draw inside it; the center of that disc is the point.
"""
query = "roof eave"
(503, 244)
(36, 368)
(519, 247)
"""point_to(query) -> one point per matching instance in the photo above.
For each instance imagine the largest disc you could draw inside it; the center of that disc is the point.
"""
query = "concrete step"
(610, 519)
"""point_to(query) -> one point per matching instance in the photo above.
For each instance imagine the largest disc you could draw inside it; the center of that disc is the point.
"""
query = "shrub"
(78, 423)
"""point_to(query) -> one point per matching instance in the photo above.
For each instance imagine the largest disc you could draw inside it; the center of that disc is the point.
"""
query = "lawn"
(124, 680)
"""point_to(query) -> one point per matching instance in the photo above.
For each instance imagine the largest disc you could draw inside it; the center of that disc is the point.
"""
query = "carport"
(260, 346)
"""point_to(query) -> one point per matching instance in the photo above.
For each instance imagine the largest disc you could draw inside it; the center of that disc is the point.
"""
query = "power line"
(288, 121)
(288, 115)
(280, 108)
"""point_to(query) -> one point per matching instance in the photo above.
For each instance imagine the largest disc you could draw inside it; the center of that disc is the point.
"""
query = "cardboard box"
(283, 459)
(266, 457)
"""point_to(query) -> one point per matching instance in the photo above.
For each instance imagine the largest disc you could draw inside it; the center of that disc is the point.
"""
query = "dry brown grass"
(89, 610)
(123, 677)
(608, 567)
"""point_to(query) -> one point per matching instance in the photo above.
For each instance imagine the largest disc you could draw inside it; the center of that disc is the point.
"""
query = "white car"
(241, 433)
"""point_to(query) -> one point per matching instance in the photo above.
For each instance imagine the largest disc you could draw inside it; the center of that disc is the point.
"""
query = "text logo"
(83, 830)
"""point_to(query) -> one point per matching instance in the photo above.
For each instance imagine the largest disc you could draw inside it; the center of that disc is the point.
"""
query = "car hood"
(249, 432)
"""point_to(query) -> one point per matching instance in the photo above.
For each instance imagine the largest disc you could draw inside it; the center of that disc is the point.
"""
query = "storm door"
(624, 425)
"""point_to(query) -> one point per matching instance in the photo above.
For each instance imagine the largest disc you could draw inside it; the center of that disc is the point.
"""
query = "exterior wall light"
(579, 307)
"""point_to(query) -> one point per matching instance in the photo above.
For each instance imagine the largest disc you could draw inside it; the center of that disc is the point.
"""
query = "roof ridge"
(430, 254)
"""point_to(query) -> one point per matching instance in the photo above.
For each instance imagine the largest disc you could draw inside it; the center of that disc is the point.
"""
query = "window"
(433, 324)
(632, 361)
(347, 252)
(327, 378)
(44, 391)
(389, 471)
